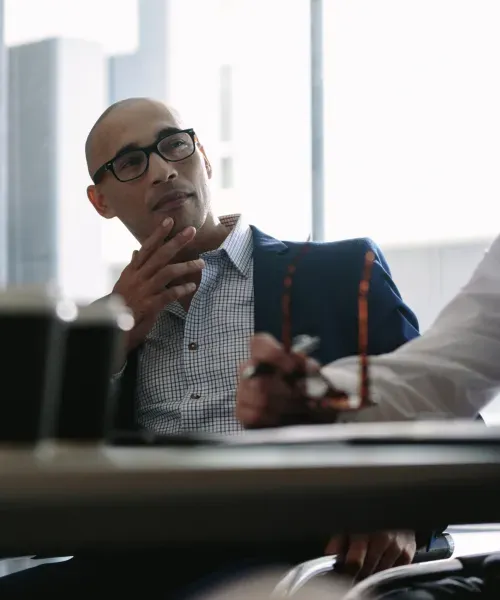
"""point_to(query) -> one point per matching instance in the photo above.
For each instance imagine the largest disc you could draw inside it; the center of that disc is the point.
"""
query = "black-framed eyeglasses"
(131, 164)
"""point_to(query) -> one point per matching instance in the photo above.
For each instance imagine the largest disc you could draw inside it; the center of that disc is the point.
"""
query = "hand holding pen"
(302, 345)
(271, 388)
(283, 388)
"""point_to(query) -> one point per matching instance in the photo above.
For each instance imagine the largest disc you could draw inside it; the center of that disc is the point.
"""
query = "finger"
(252, 418)
(266, 349)
(176, 292)
(254, 393)
(152, 307)
(312, 366)
(389, 559)
(252, 403)
(337, 545)
(243, 367)
(133, 260)
(263, 401)
(299, 362)
(356, 554)
(409, 548)
(406, 557)
(379, 544)
(167, 252)
(289, 402)
(175, 271)
(155, 241)
(251, 392)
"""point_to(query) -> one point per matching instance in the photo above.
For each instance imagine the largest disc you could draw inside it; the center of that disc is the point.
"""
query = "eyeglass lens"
(133, 164)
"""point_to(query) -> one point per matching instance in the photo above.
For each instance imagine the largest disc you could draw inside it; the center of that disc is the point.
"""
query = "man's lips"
(171, 200)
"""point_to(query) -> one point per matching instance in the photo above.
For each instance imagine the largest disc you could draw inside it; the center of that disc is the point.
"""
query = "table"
(64, 499)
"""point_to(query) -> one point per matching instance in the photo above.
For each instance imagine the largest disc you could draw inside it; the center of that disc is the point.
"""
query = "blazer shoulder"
(350, 246)
(358, 247)
(343, 253)
(354, 246)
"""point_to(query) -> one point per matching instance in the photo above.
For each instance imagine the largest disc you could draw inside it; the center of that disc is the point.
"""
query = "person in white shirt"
(452, 370)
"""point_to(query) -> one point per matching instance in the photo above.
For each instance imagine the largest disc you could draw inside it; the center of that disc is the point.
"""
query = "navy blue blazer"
(324, 302)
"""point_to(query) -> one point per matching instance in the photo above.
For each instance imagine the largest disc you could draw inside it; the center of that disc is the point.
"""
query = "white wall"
(272, 115)
(412, 119)
(429, 276)
(90, 20)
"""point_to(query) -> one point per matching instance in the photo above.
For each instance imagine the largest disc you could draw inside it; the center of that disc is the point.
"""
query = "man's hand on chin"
(362, 555)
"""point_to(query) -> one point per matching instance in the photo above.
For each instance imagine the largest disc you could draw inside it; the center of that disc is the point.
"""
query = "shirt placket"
(195, 332)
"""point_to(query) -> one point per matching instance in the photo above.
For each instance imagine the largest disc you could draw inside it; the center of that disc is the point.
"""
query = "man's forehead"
(138, 123)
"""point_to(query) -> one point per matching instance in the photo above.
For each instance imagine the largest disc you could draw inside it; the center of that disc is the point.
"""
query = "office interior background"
(410, 127)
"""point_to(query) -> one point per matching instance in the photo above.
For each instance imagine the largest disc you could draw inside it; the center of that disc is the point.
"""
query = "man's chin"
(180, 225)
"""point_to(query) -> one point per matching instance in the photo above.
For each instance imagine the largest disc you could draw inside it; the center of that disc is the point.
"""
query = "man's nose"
(161, 170)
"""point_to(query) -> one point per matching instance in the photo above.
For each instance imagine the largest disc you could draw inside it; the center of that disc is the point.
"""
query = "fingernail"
(167, 222)
(187, 232)
(191, 287)
(200, 262)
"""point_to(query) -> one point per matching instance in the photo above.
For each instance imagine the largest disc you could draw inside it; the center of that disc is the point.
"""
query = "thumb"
(312, 366)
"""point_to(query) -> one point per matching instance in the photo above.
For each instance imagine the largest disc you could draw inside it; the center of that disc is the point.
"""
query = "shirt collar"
(238, 245)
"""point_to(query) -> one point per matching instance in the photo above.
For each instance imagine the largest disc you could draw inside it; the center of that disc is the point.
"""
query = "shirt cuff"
(345, 378)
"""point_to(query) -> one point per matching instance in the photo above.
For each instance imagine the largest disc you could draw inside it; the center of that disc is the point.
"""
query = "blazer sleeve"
(391, 323)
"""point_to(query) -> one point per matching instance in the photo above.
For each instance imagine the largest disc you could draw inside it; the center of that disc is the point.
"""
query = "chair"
(426, 573)
(441, 551)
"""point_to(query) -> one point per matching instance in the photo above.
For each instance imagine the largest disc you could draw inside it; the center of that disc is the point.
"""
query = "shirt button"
(193, 346)
(195, 396)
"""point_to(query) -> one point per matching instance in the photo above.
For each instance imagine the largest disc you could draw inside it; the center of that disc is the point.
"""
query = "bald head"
(173, 161)
(114, 118)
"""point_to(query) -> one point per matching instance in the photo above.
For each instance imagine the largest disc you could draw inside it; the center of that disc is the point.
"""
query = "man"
(151, 172)
(161, 193)
(199, 287)
(453, 370)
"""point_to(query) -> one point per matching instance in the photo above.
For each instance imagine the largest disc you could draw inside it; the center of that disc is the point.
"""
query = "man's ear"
(208, 166)
(98, 201)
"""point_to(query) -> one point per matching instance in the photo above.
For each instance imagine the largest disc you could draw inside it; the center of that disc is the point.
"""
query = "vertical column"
(272, 122)
(145, 72)
(3, 151)
(317, 122)
(57, 89)
(31, 174)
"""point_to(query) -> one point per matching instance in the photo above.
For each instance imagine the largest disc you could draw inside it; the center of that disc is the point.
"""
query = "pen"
(303, 344)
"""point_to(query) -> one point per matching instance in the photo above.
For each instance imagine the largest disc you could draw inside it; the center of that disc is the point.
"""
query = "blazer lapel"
(270, 261)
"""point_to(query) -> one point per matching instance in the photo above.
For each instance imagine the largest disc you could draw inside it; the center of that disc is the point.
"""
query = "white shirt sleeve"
(452, 370)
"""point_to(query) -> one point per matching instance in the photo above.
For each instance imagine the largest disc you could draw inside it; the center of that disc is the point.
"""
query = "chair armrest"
(297, 577)
(442, 548)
